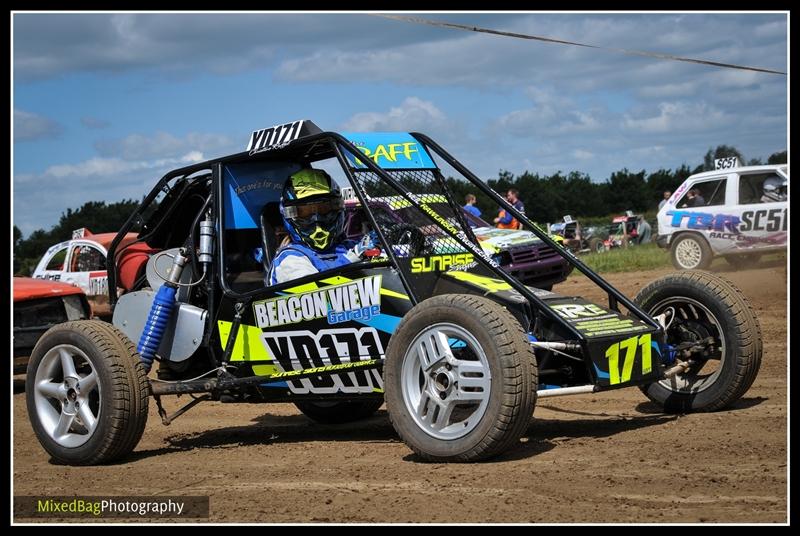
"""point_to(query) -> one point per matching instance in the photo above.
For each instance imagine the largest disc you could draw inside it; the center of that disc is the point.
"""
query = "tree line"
(97, 216)
(546, 198)
(550, 198)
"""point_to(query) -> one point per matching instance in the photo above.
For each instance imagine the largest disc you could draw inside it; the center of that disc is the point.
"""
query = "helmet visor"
(321, 207)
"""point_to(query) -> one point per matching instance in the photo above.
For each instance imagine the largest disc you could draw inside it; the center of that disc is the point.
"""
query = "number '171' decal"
(615, 375)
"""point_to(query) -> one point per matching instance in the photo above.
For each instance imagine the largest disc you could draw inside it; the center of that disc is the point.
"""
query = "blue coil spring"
(157, 320)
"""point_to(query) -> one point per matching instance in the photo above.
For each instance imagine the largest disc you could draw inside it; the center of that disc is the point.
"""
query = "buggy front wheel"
(460, 379)
(86, 393)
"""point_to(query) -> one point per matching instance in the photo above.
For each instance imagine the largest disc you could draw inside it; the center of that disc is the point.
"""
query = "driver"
(313, 213)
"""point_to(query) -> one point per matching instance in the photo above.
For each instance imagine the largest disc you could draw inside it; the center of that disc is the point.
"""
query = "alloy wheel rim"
(67, 396)
(446, 381)
(695, 317)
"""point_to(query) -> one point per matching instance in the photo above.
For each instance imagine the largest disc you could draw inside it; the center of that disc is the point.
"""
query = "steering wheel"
(411, 236)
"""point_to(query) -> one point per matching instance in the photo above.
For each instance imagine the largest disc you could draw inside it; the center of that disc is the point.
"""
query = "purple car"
(518, 252)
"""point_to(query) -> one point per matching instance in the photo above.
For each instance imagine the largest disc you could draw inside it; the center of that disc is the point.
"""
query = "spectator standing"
(663, 202)
(470, 207)
(505, 220)
(643, 231)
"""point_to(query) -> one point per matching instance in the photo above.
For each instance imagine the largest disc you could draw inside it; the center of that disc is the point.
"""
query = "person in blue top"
(313, 213)
(470, 207)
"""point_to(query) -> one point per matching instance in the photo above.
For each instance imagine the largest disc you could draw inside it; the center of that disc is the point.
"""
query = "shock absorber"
(160, 312)
(206, 249)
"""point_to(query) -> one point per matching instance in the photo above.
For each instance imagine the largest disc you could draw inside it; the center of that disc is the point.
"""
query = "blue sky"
(105, 104)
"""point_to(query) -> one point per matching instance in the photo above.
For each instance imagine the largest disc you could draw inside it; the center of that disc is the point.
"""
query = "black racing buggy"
(458, 349)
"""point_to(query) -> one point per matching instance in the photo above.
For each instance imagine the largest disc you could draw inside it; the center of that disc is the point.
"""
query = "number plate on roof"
(726, 163)
(280, 135)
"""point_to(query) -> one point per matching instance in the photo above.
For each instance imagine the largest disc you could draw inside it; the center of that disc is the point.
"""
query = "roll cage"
(200, 188)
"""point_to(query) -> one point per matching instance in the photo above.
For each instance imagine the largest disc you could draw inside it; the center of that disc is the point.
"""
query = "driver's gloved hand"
(370, 241)
(368, 246)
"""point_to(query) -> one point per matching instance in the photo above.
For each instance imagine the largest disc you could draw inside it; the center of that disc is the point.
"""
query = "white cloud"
(520, 122)
(649, 152)
(162, 145)
(664, 91)
(108, 168)
(412, 114)
(679, 116)
(183, 44)
(29, 126)
(774, 29)
(544, 96)
(480, 60)
(94, 179)
(578, 121)
(553, 114)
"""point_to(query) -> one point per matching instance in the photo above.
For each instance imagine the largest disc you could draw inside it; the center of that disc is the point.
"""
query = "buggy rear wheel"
(700, 305)
(339, 411)
(86, 393)
(460, 379)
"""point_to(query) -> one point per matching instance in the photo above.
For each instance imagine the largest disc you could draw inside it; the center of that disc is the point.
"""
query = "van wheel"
(460, 379)
(691, 252)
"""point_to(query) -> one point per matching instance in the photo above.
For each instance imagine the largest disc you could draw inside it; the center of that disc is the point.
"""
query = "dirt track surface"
(590, 458)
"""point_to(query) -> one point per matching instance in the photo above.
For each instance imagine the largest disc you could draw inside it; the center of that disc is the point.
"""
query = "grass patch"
(632, 259)
(651, 257)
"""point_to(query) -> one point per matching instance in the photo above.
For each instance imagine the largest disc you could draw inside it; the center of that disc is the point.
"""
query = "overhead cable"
(451, 25)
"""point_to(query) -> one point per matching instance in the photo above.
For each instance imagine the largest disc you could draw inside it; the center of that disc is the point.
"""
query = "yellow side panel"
(248, 346)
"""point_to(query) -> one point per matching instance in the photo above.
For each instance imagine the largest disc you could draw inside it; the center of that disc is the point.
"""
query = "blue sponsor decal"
(704, 221)
(250, 186)
(600, 373)
(390, 150)
(654, 345)
(360, 313)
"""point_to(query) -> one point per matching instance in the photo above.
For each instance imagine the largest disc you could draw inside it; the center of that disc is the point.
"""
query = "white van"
(735, 212)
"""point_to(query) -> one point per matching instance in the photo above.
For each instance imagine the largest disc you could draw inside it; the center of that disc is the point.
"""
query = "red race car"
(39, 305)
